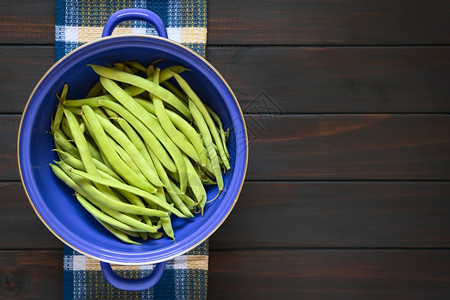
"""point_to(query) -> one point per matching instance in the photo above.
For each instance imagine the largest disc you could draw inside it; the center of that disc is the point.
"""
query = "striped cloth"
(81, 21)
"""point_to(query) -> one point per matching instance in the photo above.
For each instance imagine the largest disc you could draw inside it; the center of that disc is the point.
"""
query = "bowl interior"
(54, 202)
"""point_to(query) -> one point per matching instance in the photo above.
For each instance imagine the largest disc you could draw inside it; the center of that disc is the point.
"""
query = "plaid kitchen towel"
(76, 23)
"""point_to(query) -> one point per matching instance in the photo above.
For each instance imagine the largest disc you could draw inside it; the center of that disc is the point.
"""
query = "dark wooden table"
(347, 105)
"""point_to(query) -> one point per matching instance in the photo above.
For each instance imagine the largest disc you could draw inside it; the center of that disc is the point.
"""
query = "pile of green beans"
(139, 148)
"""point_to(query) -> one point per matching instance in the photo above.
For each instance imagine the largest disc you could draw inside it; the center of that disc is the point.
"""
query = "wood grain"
(27, 22)
(287, 274)
(349, 147)
(323, 147)
(289, 22)
(337, 215)
(23, 68)
(9, 127)
(288, 215)
(329, 274)
(20, 227)
(297, 79)
(328, 22)
(31, 274)
(336, 80)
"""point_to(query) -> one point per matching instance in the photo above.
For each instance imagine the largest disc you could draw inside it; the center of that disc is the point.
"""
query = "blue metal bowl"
(55, 204)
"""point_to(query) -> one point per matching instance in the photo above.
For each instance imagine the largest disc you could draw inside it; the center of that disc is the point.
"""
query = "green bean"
(138, 66)
(132, 198)
(122, 139)
(65, 128)
(168, 72)
(63, 93)
(134, 138)
(196, 184)
(92, 99)
(167, 227)
(189, 132)
(204, 176)
(126, 158)
(202, 126)
(176, 136)
(187, 201)
(104, 200)
(221, 131)
(93, 150)
(107, 149)
(168, 186)
(95, 90)
(58, 118)
(82, 146)
(152, 124)
(142, 193)
(119, 66)
(78, 164)
(145, 133)
(62, 141)
(80, 142)
(174, 90)
(209, 121)
(70, 179)
(104, 217)
(155, 236)
(145, 84)
(119, 234)
(133, 234)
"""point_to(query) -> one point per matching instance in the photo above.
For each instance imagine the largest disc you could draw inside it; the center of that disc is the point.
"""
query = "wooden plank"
(292, 214)
(348, 147)
(297, 79)
(328, 22)
(289, 22)
(338, 215)
(336, 80)
(31, 274)
(287, 274)
(20, 227)
(9, 126)
(23, 68)
(323, 147)
(27, 22)
(329, 274)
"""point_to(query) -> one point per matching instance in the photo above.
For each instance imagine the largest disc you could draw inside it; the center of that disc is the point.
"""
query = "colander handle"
(133, 284)
(128, 14)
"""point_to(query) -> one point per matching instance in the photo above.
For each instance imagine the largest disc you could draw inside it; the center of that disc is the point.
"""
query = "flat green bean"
(78, 164)
(95, 90)
(216, 119)
(145, 133)
(176, 136)
(152, 124)
(119, 234)
(113, 158)
(122, 139)
(70, 179)
(181, 124)
(104, 217)
(202, 126)
(196, 184)
(167, 227)
(173, 194)
(131, 189)
(145, 84)
(134, 138)
(62, 141)
(208, 119)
